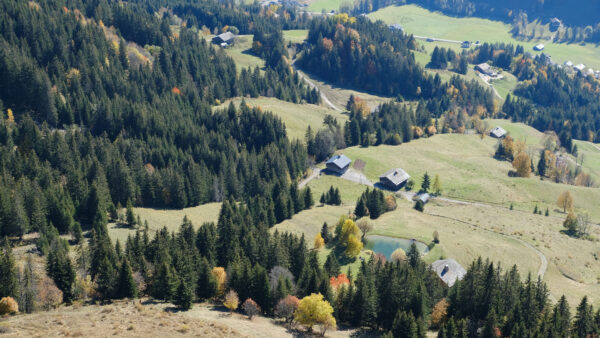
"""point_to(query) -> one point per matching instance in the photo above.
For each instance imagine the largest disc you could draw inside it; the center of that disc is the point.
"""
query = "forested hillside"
(82, 115)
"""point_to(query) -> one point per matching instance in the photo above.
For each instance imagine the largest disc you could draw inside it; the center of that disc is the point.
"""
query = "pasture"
(297, 117)
(422, 22)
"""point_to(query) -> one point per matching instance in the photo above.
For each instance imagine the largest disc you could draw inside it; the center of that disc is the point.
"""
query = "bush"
(8, 306)
(250, 308)
(286, 307)
(390, 203)
(419, 206)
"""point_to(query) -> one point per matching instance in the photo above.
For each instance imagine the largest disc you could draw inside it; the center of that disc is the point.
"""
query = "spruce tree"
(541, 168)
(331, 266)
(126, 286)
(106, 279)
(206, 287)
(164, 283)
(308, 198)
(404, 325)
(426, 182)
(60, 269)
(325, 234)
(360, 210)
(9, 281)
(584, 319)
(183, 296)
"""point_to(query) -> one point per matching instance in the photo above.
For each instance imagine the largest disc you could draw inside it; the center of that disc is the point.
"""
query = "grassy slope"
(240, 52)
(297, 117)
(295, 35)
(172, 219)
(468, 171)
(419, 21)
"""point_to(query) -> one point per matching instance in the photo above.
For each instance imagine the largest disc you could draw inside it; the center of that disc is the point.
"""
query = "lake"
(386, 245)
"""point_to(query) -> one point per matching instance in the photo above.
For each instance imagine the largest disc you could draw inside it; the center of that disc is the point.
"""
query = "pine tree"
(164, 283)
(322, 200)
(130, 216)
(360, 210)
(325, 234)
(331, 266)
(584, 319)
(308, 198)
(183, 296)
(60, 269)
(541, 168)
(404, 325)
(9, 281)
(206, 287)
(426, 182)
(126, 286)
(105, 279)
(28, 294)
(489, 329)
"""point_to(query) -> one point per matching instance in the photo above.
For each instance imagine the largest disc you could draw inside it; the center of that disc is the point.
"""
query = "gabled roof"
(484, 67)
(396, 176)
(448, 270)
(340, 161)
(226, 36)
(424, 197)
(498, 132)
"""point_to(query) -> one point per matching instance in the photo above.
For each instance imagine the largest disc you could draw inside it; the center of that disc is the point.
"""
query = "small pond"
(386, 245)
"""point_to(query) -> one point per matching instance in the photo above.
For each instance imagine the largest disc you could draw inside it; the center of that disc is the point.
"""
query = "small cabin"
(448, 270)
(498, 132)
(338, 164)
(394, 179)
(485, 68)
(539, 47)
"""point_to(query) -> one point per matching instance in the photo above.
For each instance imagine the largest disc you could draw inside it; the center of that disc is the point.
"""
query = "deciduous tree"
(565, 201)
(314, 310)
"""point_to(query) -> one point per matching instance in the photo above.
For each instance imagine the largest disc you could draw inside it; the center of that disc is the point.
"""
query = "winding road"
(313, 85)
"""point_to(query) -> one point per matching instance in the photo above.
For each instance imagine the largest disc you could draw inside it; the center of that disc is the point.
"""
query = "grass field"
(422, 22)
(172, 219)
(295, 35)
(468, 171)
(327, 5)
(297, 117)
(241, 53)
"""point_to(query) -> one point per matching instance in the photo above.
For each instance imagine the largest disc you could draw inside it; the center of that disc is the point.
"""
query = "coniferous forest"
(95, 123)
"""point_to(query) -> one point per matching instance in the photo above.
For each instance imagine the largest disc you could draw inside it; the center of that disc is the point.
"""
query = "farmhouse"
(338, 164)
(539, 47)
(466, 44)
(448, 270)
(394, 179)
(224, 39)
(580, 67)
(498, 132)
(485, 68)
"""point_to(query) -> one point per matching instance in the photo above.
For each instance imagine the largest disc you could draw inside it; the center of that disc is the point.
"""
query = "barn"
(394, 179)
(338, 164)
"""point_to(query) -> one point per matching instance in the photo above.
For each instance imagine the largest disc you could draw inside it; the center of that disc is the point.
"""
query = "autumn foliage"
(286, 307)
(339, 281)
(8, 306)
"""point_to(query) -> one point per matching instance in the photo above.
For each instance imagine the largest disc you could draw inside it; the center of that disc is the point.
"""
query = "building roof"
(484, 67)
(568, 63)
(556, 21)
(226, 36)
(579, 67)
(396, 26)
(539, 46)
(396, 176)
(448, 270)
(498, 132)
(340, 161)
(424, 197)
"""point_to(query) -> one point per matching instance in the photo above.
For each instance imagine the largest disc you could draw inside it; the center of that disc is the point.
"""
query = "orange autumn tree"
(340, 281)
(176, 91)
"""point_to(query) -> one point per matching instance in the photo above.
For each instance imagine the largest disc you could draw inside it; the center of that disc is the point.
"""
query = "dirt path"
(356, 176)
(315, 173)
(312, 85)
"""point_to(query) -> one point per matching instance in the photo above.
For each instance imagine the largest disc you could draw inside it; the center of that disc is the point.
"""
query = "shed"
(338, 164)
(394, 179)
(424, 197)
(485, 68)
(580, 67)
(568, 63)
(466, 44)
(539, 47)
(448, 270)
(498, 132)
(224, 39)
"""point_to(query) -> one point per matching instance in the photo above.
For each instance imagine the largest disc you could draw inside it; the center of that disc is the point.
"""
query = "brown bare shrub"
(8, 306)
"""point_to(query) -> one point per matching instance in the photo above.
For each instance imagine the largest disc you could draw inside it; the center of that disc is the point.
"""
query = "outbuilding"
(539, 47)
(498, 132)
(338, 164)
(394, 179)
(448, 270)
(485, 68)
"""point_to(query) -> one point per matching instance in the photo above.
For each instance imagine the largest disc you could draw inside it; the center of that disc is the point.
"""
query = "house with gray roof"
(338, 164)
(424, 197)
(498, 132)
(224, 39)
(448, 270)
(486, 69)
(394, 179)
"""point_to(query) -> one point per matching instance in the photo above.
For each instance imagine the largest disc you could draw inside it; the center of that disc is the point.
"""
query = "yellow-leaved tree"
(220, 276)
(349, 238)
(522, 164)
(565, 201)
(314, 310)
(319, 241)
(231, 300)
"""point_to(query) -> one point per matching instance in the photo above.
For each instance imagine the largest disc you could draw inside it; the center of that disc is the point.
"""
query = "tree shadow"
(570, 233)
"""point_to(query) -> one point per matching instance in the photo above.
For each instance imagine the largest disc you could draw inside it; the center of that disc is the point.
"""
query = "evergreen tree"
(325, 234)
(9, 281)
(360, 210)
(541, 168)
(404, 325)
(583, 324)
(183, 296)
(164, 283)
(130, 216)
(106, 279)
(206, 287)
(331, 266)
(60, 269)
(426, 182)
(126, 286)
(308, 198)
